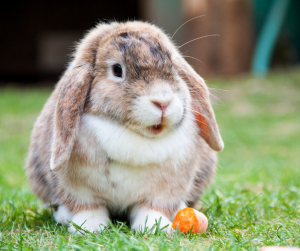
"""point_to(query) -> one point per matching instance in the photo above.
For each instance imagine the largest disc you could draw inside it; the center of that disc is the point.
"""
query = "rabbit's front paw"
(144, 218)
(62, 215)
(91, 220)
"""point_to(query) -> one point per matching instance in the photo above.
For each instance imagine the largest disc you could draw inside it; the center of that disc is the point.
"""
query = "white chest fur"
(124, 146)
(140, 168)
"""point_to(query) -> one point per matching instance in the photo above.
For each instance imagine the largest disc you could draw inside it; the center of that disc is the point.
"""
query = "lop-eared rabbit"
(129, 129)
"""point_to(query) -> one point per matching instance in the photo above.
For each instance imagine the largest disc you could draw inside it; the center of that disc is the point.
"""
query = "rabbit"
(129, 129)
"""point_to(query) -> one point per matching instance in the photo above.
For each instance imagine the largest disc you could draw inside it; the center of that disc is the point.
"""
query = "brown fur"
(150, 55)
(201, 104)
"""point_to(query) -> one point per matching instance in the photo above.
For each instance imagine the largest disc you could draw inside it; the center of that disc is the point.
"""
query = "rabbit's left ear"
(72, 91)
(204, 114)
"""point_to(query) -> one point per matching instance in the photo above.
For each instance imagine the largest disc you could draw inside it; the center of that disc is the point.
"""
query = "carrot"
(190, 219)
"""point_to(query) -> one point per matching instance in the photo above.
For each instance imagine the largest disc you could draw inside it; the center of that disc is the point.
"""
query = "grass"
(254, 200)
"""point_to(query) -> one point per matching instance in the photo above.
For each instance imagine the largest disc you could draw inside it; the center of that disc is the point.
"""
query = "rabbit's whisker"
(186, 23)
(218, 89)
(217, 98)
(213, 35)
(195, 59)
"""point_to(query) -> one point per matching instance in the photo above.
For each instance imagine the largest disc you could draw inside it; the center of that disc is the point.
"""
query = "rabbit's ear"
(72, 91)
(201, 105)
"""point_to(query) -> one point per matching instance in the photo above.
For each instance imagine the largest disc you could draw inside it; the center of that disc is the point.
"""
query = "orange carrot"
(190, 219)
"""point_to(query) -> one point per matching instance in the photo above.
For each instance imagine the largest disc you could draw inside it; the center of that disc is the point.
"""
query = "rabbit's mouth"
(156, 129)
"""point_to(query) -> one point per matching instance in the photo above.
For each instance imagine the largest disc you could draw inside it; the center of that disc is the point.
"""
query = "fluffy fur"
(142, 143)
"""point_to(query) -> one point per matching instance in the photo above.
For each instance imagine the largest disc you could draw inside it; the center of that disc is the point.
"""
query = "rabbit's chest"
(139, 168)
(123, 185)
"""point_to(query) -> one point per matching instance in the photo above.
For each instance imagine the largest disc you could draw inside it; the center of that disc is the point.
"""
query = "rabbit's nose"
(161, 104)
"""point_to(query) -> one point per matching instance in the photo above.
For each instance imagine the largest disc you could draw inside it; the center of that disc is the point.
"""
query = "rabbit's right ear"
(201, 106)
(72, 92)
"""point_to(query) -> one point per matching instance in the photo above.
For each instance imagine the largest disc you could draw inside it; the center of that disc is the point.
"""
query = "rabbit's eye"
(117, 70)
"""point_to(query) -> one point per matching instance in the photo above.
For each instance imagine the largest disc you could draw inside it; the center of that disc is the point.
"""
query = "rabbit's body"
(124, 140)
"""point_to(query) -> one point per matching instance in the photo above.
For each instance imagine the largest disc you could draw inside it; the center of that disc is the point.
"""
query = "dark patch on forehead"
(124, 35)
(144, 56)
(142, 39)
(157, 53)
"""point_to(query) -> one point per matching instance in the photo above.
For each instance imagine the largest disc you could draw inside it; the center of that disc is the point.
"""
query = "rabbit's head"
(131, 74)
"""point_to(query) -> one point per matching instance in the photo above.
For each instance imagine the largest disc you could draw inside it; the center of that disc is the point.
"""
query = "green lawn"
(254, 200)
